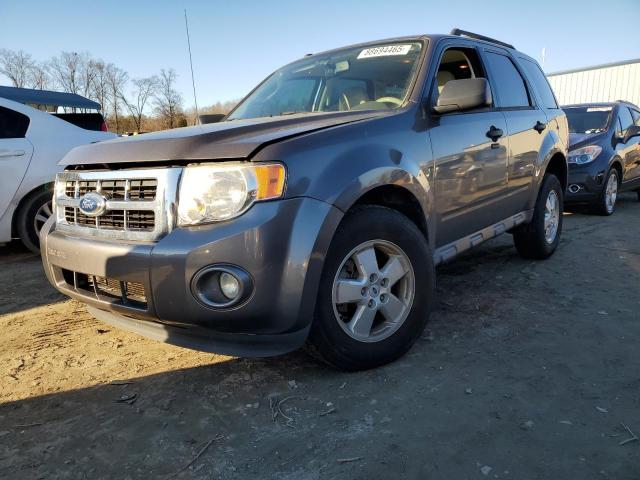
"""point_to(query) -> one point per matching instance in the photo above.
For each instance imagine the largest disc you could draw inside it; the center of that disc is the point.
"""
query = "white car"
(32, 142)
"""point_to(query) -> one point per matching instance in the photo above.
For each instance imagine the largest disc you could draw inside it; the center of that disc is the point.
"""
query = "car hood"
(578, 140)
(237, 139)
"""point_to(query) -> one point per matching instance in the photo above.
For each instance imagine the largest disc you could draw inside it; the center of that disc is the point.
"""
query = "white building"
(600, 83)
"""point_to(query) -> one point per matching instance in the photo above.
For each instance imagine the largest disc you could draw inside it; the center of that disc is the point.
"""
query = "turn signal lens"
(270, 180)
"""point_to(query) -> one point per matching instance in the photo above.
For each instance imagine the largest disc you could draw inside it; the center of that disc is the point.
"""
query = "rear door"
(470, 168)
(15, 154)
(526, 124)
(632, 154)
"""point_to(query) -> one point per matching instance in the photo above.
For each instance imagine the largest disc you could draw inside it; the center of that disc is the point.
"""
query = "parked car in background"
(604, 155)
(32, 142)
(316, 211)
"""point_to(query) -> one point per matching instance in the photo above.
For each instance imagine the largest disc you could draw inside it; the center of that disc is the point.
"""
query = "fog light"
(229, 285)
(222, 286)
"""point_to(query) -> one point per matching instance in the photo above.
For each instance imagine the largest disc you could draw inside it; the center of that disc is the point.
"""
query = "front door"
(15, 154)
(470, 173)
(470, 154)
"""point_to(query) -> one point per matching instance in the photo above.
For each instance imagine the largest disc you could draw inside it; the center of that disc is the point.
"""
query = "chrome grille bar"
(160, 209)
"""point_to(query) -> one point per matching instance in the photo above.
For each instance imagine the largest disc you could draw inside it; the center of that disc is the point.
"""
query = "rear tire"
(33, 213)
(540, 238)
(606, 203)
(387, 294)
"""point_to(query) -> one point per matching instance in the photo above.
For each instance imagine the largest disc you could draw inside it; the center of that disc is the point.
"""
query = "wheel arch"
(25, 198)
(557, 165)
(618, 165)
(397, 198)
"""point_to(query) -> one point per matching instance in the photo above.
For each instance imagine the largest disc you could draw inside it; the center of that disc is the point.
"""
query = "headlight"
(212, 193)
(584, 155)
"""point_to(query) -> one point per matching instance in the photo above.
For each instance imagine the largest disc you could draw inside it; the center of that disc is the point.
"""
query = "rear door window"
(13, 124)
(636, 117)
(509, 85)
(540, 83)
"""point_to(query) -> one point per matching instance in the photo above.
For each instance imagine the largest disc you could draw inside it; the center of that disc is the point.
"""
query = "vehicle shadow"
(23, 284)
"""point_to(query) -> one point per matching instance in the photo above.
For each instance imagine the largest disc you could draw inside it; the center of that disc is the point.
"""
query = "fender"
(339, 165)
(616, 160)
(551, 146)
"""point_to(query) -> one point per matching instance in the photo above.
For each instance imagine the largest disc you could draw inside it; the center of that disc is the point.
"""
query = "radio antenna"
(193, 79)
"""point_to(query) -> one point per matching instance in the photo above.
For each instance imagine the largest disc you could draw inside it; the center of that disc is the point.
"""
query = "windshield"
(588, 119)
(365, 78)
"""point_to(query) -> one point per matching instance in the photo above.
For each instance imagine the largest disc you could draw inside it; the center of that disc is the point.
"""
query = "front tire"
(606, 203)
(540, 238)
(33, 214)
(376, 291)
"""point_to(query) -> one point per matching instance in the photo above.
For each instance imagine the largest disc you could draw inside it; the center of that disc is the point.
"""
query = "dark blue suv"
(604, 153)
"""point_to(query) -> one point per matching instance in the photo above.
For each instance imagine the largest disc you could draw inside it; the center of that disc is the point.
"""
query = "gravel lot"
(527, 371)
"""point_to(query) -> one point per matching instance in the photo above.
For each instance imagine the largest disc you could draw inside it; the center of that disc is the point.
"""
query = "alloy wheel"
(551, 217)
(611, 192)
(42, 215)
(373, 291)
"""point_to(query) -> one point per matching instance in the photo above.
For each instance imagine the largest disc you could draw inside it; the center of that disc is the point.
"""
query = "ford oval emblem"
(92, 204)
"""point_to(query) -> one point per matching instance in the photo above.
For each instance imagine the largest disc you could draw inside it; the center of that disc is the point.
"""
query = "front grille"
(139, 203)
(125, 293)
(114, 189)
(86, 187)
(135, 220)
(144, 189)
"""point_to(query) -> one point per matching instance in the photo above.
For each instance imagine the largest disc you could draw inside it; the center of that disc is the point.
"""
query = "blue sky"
(236, 43)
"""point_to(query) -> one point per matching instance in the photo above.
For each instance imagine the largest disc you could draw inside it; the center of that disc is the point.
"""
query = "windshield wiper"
(293, 112)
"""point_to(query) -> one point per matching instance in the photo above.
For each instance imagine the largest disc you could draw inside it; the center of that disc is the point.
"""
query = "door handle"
(494, 133)
(11, 153)
(539, 126)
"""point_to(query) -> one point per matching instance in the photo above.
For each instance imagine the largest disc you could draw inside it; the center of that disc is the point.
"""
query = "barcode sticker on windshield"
(384, 51)
(599, 109)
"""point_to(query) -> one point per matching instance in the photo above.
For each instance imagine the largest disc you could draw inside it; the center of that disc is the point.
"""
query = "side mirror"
(632, 131)
(458, 95)
(211, 118)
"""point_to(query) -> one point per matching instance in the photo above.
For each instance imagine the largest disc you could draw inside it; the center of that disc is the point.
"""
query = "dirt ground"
(528, 370)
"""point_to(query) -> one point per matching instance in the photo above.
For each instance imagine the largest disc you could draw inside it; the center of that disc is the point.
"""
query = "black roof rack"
(461, 33)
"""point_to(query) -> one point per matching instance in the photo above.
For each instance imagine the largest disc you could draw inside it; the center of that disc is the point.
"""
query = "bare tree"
(116, 80)
(38, 77)
(167, 100)
(101, 89)
(65, 70)
(16, 66)
(145, 88)
(87, 75)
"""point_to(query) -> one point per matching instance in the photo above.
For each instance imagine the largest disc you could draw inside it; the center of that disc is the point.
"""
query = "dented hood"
(238, 139)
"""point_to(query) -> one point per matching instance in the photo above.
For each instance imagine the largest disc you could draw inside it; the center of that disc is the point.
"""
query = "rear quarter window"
(13, 124)
(540, 83)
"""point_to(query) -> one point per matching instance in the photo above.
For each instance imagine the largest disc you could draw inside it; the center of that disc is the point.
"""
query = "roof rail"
(464, 33)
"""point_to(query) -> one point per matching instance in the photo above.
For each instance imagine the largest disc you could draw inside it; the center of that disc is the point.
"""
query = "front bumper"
(281, 244)
(590, 181)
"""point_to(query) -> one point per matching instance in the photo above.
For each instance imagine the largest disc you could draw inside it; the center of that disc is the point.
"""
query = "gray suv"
(316, 211)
